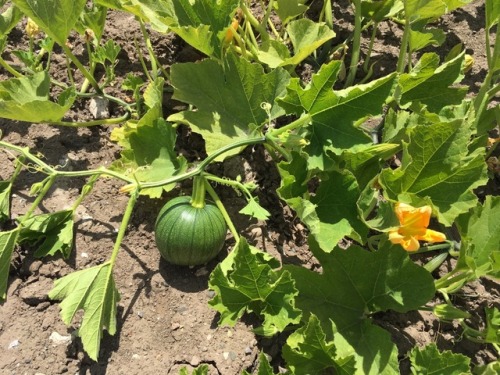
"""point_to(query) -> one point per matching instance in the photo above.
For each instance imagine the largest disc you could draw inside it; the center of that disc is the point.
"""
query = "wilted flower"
(413, 227)
(32, 28)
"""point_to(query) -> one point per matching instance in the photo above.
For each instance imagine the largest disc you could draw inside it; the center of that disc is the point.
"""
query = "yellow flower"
(413, 227)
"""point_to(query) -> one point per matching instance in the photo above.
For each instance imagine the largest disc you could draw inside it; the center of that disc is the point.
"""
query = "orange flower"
(413, 227)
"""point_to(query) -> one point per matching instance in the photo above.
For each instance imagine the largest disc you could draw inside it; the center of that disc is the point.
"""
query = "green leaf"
(92, 18)
(92, 290)
(5, 190)
(56, 17)
(378, 10)
(366, 161)
(335, 114)
(492, 368)
(254, 209)
(423, 37)
(492, 13)
(308, 352)
(228, 98)
(200, 370)
(430, 84)
(335, 201)
(436, 166)
(417, 10)
(480, 233)
(27, 99)
(264, 368)
(429, 360)
(149, 145)
(201, 23)
(53, 230)
(306, 36)
(287, 10)
(492, 334)
(294, 177)
(355, 283)
(8, 241)
(247, 282)
(8, 19)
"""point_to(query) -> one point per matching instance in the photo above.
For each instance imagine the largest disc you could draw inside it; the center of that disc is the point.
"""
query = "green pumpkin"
(187, 235)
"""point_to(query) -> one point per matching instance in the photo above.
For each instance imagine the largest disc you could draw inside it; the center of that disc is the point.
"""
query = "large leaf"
(53, 231)
(480, 233)
(355, 283)
(335, 113)
(27, 99)
(201, 23)
(92, 290)
(56, 17)
(492, 13)
(305, 35)
(8, 241)
(308, 352)
(429, 360)
(228, 98)
(246, 281)
(436, 166)
(431, 84)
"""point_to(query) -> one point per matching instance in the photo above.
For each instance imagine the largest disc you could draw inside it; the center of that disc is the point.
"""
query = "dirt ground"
(164, 321)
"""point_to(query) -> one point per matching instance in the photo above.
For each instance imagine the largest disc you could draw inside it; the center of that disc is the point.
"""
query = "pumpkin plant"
(331, 138)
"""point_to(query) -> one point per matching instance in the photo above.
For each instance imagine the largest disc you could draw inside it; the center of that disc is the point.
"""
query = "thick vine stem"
(353, 68)
(48, 170)
(47, 184)
(82, 69)
(196, 171)
(198, 194)
(123, 226)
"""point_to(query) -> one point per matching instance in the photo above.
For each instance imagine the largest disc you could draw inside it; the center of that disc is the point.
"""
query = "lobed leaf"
(54, 231)
(228, 98)
(149, 145)
(27, 99)
(429, 360)
(335, 114)
(92, 290)
(436, 167)
(246, 282)
(307, 351)
(355, 283)
(480, 233)
(430, 84)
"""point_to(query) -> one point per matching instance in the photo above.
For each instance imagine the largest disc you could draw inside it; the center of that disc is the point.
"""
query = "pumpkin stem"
(198, 195)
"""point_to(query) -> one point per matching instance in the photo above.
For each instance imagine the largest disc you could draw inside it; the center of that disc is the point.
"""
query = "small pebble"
(14, 344)
(248, 350)
(136, 356)
(201, 272)
(140, 314)
(195, 361)
(175, 326)
(59, 339)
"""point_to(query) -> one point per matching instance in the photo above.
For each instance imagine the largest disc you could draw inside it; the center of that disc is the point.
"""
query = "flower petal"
(432, 236)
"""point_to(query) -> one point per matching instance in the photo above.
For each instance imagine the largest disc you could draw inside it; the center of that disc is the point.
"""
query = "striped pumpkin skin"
(189, 236)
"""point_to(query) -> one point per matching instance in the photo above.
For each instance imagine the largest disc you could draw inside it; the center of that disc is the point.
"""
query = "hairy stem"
(123, 226)
(356, 44)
